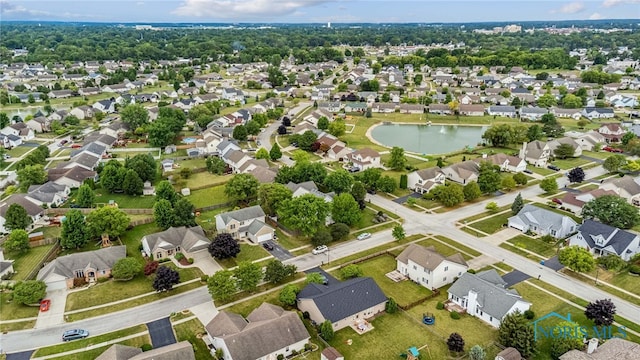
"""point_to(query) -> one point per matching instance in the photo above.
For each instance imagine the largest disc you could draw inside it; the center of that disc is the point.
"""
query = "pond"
(428, 139)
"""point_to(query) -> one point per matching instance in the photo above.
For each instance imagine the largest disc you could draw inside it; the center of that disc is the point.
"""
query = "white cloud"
(595, 16)
(9, 9)
(570, 8)
(230, 9)
(610, 3)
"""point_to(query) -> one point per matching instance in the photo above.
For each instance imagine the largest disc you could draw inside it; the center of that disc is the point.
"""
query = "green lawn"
(534, 245)
(26, 262)
(428, 204)
(19, 151)
(50, 232)
(132, 238)
(457, 245)
(569, 163)
(540, 170)
(247, 253)
(484, 214)
(91, 340)
(192, 331)
(443, 249)
(202, 179)
(521, 252)
(209, 196)
(598, 155)
(622, 280)
(16, 326)
(291, 242)
(123, 201)
(12, 310)
(244, 308)
(492, 224)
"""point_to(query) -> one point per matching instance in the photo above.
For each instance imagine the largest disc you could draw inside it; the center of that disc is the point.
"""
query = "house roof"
(365, 153)
(464, 169)
(616, 239)
(188, 238)
(245, 214)
(76, 173)
(119, 352)
(509, 354)
(86, 159)
(101, 259)
(267, 329)
(263, 174)
(427, 257)
(583, 198)
(341, 300)
(21, 199)
(542, 218)
(182, 350)
(614, 348)
(331, 353)
(429, 173)
(502, 108)
(533, 110)
(500, 158)
(628, 184)
(91, 147)
(535, 149)
(45, 192)
(493, 298)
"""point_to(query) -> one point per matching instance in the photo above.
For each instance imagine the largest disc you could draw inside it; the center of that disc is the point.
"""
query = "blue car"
(74, 334)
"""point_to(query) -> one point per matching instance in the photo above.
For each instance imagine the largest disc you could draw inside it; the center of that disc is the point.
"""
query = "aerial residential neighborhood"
(334, 190)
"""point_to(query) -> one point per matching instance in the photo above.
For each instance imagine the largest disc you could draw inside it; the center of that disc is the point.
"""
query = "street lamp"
(328, 259)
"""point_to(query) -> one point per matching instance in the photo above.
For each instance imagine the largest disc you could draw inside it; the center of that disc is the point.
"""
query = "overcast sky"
(315, 11)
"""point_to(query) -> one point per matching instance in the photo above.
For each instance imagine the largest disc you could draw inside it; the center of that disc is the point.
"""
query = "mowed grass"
(26, 262)
(459, 246)
(94, 353)
(209, 196)
(491, 225)
(16, 326)
(443, 249)
(201, 179)
(124, 201)
(192, 331)
(534, 245)
(570, 163)
(12, 310)
(247, 253)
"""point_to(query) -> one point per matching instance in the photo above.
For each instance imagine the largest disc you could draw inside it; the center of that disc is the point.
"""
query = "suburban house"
(49, 193)
(72, 176)
(614, 348)
(463, 172)
(484, 296)
(425, 266)
(344, 303)
(440, 109)
(535, 153)
(19, 129)
(575, 201)
(82, 112)
(532, 113)
(266, 333)
(364, 159)
(542, 222)
(186, 240)
(182, 350)
(245, 224)
(498, 110)
(10, 141)
(89, 265)
(39, 124)
(331, 353)
(506, 162)
(471, 110)
(589, 140)
(422, 181)
(626, 187)
(6, 266)
(555, 143)
(575, 114)
(34, 210)
(612, 132)
(106, 106)
(598, 113)
(601, 239)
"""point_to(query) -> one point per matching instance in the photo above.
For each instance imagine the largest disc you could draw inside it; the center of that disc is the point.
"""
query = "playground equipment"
(411, 354)
(428, 319)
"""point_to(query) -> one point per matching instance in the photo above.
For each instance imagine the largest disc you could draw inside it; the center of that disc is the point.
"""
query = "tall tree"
(326, 330)
(135, 115)
(16, 217)
(471, 191)
(455, 342)
(31, 175)
(276, 272)
(489, 178)
(74, 233)
(565, 337)
(126, 268)
(144, 165)
(17, 241)
(248, 275)
(275, 153)
(164, 190)
(163, 214)
(358, 191)
(29, 291)
(564, 151)
(242, 187)
(262, 153)
(517, 205)
(107, 220)
(288, 294)
(224, 246)
(549, 185)
(216, 165)
(516, 331)
(85, 197)
(165, 278)
(614, 163)
(240, 133)
(576, 175)
(323, 123)
(387, 184)
(339, 181)
(222, 286)
(612, 210)
(271, 195)
(397, 161)
(345, 209)
(132, 184)
(576, 258)
(185, 213)
(601, 311)
(305, 213)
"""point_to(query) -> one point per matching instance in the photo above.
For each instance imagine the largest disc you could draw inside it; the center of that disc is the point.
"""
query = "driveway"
(330, 279)
(279, 252)
(205, 312)
(25, 355)
(553, 263)
(403, 199)
(204, 261)
(595, 160)
(55, 314)
(161, 333)
(514, 277)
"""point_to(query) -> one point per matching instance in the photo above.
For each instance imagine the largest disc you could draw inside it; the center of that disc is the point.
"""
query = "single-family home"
(532, 113)
(383, 107)
(6, 266)
(19, 129)
(614, 348)
(88, 265)
(182, 350)
(309, 187)
(575, 114)
(627, 187)
(601, 240)
(613, 132)
(267, 333)
(535, 153)
(34, 210)
(72, 177)
(245, 224)
(39, 124)
(471, 110)
(343, 303)
(484, 296)
(598, 113)
(555, 143)
(462, 172)
(187, 240)
(440, 109)
(49, 194)
(105, 106)
(412, 108)
(82, 112)
(364, 159)
(235, 159)
(574, 202)
(10, 141)
(427, 267)
(506, 162)
(589, 140)
(506, 111)
(422, 181)
(542, 222)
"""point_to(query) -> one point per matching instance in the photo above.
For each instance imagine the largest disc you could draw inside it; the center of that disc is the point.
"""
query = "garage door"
(56, 285)
(265, 237)
(516, 226)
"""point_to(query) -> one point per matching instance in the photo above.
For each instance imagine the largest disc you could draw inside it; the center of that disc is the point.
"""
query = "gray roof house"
(6, 266)
(48, 193)
(182, 350)
(267, 332)
(615, 348)
(90, 265)
(175, 239)
(483, 295)
(542, 221)
(343, 303)
(245, 224)
(463, 172)
(535, 153)
(34, 210)
(601, 239)
(424, 180)
(626, 187)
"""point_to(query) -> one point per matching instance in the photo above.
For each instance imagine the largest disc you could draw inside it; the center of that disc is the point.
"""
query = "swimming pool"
(188, 140)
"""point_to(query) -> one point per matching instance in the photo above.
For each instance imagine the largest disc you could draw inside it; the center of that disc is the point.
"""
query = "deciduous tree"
(276, 272)
(520, 178)
(602, 312)
(576, 258)
(345, 209)
(17, 241)
(386, 184)
(221, 285)
(397, 161)
(350, 271)
(74, 233)
(126, 268)
(248, 275)
(339, 181)
(614, 163)
(132, 184)
(612, 210)
(326, 330)
(566, 337)
(489, 178)
(549, 185)
(165, 191)
(163, 214)
(321, 237)
(135, 115)
(337, 128)
(224, 246)
(339, 231)
(576, 175)
(398, 232)
(305, 213)
(471, 191)
(455, 342)
(29, 292)
(107, 220)
(185, 213)
(289, 294)
(508, 183)
(275, 153)
(16, 217)
(564, 151)
(85, 197)
(262, 153)
(165, 278)
(323, 123)
(31, 175)
(242, 187)
(240, 133)
(215, 165)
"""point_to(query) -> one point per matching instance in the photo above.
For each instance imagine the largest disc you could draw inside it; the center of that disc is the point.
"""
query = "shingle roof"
(341, 300)
(92, 147)
(190, 239)
(75, 173)
(242, 214)
(615, 238)
(542, 218)
(32, 208)
(427, 257)
(493, 298)
(119, 352)
(615, 348)
(101, 259)
(182, 350)
(429, 173)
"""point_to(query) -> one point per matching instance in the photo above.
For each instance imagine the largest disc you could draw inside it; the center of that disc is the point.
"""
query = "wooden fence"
(62, 211)
(435, 293)
(51, 254)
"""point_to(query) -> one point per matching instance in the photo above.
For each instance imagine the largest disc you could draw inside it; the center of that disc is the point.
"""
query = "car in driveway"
(557, 201)
(74, 334)
(267, 246)
(320, 249)
(553, 167)
(527, 171)
(45, 304)
(364, 236)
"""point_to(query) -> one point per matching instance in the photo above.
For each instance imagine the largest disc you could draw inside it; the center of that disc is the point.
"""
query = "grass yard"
(247, 253)
(603, 155)
(613, 291)
(519, 251)
(91, 340)
(94, 353)
(124, 201)
(19, 151)
(17, 326)
(202, 179)
(569, 163)
(459, 246)
(12, 310)
(491, 225)
(291, 242)
(50, 232)
(396, 244)
(25, 263)
(357, 139)
(132, 238)
(443, 249)
(484, 214)
(244, 308)
(192, 331)
(540, 170)
(537, 246)
(209, 196)
(428, 204)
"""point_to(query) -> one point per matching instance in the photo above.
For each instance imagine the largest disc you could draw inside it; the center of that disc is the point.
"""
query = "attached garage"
(55, 282)
(265, 237)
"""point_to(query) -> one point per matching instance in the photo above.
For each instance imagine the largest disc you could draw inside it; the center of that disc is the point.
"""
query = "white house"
(484, 296)
(601, 239)
(425, 266)
(506, 163)
(555, 143)
(543, 222)
(497, 110)
(627, 187)
(49, 193)
(245, 224)
(364, 159)
(19, 129)
(613, 132)
(267, 332)
(34, 210)
(574, 202)
(422, 181)
(535, 153)
(598, 113)
(463, 172)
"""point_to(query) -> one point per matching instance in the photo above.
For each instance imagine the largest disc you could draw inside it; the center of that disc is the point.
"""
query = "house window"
(446, 268)
(159, 255)
(490, 318)
(553, 232)
(415, 267)
(232, 226)
(444, 278)
(103, 272)
(79, 273)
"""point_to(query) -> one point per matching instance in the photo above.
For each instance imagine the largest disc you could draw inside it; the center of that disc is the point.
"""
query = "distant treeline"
(51, 43)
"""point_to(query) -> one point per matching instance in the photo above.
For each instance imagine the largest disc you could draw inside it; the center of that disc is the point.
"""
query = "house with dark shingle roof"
(245, 224)
(601, 240)
(6, 266)
(427, 267)
(48, 193)
(182, 350)
(34, 210)
(484, 296)
(344, 303)
(187, 240)
(71, 176)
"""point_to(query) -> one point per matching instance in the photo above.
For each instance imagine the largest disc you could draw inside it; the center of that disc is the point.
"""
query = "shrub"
(204, 278)
(280, 357)
(439, 305)
(308, 347)
(146, 347)
(78, 282)
(454, 315)
(529, 314)
(103, 279)
(179, 256)
(190, 260)
(634, 269)
(164, 260)
(471, 271)
(150, 267)
(306, 315)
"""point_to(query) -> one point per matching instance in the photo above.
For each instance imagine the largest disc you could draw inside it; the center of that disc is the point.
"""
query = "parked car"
(553, 167)
(63, 142)
(371, 191)
(527, 171)
(45, 304)
(364, 236)
(320, 249)
(354, 169)
(267, 246)
(76, 146)
(613, 150)
(557, 201)
(74, 334)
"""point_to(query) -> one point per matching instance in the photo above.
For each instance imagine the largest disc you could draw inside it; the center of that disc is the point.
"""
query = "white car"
(364, 236)
(320, 249)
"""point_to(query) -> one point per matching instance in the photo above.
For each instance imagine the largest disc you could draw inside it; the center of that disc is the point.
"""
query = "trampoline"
(428, 319)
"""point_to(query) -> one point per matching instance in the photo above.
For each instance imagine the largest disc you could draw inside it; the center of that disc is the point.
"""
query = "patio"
(396, 276)
(450, 306)
(362, 326)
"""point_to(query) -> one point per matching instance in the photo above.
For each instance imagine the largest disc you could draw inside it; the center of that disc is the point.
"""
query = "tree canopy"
(612, 210)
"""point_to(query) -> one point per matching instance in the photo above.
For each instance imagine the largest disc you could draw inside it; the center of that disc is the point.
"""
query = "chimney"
(592, 346)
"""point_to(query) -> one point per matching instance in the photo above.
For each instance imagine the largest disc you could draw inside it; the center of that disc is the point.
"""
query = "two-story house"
(506, 162)
(612, 132)
(555, 143)
(49, 194)
(19, 129)
(364, 159)
(422, 181)
(463, 172)
(626, 187)
(535, 153)
(245, 224)
(601, 239)
(427, 267)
